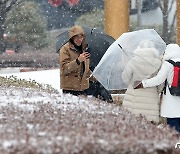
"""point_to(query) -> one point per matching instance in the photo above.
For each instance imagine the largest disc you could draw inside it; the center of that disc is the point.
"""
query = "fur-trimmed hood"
(76, 30)
(146, 48)
(152, 52)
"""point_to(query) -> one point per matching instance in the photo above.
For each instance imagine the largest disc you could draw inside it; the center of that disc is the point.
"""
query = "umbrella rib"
(122, 49)
(123, 59)
(110, 75)
(120, 46)
(126, 70)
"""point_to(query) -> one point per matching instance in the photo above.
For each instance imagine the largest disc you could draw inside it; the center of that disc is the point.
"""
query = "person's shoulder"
(65, 47)
(167, 64)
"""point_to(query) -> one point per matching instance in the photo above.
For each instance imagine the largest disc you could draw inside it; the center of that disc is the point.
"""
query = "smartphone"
(87, 55)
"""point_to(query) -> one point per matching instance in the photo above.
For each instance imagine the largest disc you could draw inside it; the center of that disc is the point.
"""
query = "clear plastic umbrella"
(109, 70)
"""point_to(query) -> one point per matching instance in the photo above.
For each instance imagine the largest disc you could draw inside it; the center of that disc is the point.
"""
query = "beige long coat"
(144, 101)
(70, 78)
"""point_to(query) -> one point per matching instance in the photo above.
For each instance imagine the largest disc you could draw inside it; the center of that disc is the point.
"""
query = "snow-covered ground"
(50, 77)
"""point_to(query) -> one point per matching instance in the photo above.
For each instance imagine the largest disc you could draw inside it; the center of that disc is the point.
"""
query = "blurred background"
(31, 26)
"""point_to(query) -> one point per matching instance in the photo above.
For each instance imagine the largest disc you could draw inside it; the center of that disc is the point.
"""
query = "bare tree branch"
(160, 4)
(3, 2)
(171, 5)
(173, 22)
(13, 2)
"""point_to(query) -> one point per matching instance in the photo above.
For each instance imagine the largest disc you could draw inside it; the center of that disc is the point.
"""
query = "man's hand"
(82, 57)
(138, 84)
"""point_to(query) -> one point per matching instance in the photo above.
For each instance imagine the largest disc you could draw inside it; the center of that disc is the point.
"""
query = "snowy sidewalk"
(50, 77)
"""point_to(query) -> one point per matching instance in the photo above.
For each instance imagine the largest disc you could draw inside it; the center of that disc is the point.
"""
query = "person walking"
(145, 63)
(170, 107)
(74, 63)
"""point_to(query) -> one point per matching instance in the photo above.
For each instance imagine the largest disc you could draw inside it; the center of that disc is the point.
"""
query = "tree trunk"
(165, 34)
(139, 7)
(2, 28)
(4, 9)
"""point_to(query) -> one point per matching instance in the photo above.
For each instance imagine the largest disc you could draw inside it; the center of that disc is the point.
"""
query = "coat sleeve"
(91, 77)
(66, 63)
(159, 78)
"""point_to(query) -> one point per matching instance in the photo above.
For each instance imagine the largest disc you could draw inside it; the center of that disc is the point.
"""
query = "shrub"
(30, 59)
(25, 25)
(12, 81)
(93, 19)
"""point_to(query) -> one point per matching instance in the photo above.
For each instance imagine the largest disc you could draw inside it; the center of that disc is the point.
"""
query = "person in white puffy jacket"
(145, 62)
(170, 107)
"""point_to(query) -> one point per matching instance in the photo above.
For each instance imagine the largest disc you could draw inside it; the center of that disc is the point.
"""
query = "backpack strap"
(166, 84)
(164, 89)
(172, 62)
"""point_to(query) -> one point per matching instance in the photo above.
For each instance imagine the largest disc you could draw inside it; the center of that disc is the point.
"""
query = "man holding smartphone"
(74, 63)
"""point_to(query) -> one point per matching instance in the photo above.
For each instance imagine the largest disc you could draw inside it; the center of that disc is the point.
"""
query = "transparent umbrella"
(109, 70)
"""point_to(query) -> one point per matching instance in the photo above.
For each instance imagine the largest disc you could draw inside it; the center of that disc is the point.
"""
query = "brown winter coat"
(70, 78)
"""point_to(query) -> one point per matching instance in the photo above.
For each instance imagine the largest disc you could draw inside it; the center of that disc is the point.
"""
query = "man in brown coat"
(74, 63)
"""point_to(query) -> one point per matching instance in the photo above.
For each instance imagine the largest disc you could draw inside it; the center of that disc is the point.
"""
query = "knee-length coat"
(145, 101)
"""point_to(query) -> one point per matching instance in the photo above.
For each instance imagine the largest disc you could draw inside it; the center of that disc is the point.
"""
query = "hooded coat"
(144, 64)
(73, 76)
(170, 106)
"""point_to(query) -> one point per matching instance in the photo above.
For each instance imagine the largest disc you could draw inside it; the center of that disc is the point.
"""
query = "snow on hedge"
(34, 121)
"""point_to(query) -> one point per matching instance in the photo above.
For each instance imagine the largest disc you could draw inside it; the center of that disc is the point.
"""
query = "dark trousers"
(76, 93)
(174, 123)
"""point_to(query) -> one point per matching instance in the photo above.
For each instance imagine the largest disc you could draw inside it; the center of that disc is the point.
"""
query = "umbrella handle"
(93, 30)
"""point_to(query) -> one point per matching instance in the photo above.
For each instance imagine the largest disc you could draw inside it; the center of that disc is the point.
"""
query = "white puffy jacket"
(170, 106)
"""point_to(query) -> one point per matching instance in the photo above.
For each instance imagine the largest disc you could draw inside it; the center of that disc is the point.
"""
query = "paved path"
(50, 77)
